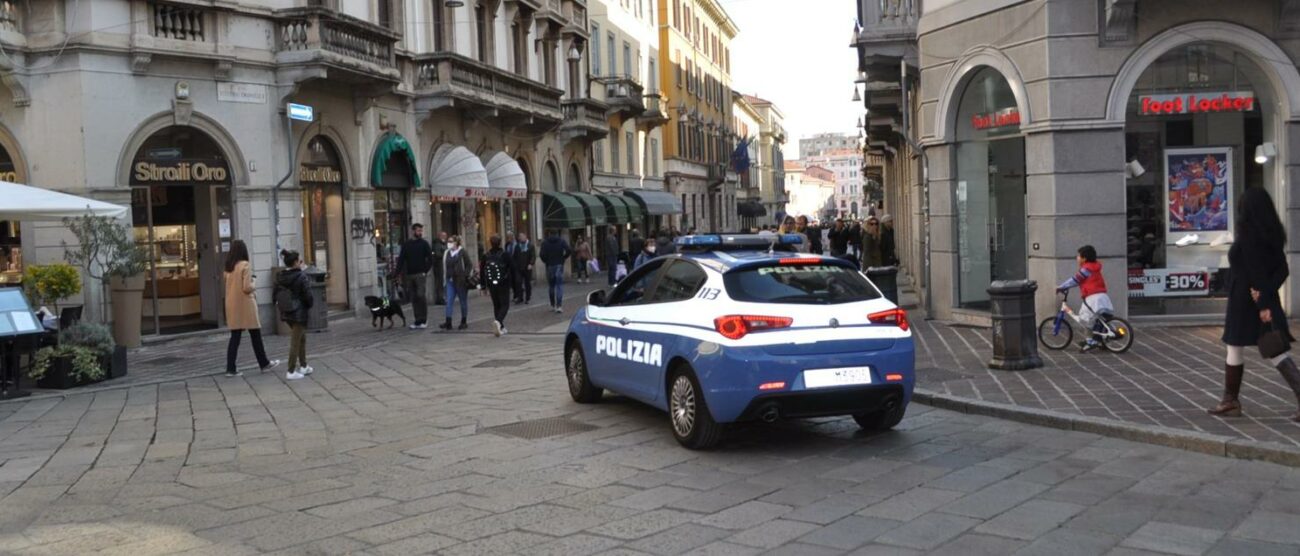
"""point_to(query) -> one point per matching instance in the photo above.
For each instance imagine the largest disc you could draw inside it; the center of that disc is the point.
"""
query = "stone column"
(944, 258)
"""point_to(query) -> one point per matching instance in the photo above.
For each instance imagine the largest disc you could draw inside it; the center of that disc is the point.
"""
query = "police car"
(742, 328)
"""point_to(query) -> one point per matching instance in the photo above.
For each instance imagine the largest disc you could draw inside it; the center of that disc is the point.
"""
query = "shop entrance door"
(188, 229)
(1007, 217)
(991, 216)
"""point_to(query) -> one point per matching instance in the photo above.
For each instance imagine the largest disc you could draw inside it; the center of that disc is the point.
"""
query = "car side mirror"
(596, 298)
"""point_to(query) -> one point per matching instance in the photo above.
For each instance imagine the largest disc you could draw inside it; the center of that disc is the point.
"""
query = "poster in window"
(1198, 182)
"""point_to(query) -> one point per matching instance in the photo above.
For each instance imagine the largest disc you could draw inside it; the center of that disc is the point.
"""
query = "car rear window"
(812, 284)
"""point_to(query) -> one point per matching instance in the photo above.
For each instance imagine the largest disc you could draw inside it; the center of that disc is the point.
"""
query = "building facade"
(823, 142)
(1130, 125)
(695, 72)
(771, 160)
(846, 165)
(747, 122)
(809, 188)
(461, 118)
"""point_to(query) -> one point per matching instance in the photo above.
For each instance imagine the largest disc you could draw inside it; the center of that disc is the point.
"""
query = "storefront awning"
(562, 211)
(751, 209)
(620, 211)
(390, 144)
(456, 172)
(656, 203)
(31, 204)
(506, 179)
(596, 213)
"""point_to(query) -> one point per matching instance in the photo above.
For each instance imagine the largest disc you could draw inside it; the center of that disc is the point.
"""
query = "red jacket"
(1090, 279)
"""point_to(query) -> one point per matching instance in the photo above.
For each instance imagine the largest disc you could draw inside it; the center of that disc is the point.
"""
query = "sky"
(800, 59)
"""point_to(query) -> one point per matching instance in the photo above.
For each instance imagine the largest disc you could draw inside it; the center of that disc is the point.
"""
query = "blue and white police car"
(741, 328)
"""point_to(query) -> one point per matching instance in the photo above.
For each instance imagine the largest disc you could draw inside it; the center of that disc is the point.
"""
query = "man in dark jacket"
(413, 266)
(494, 268)
(610, 257)
(635, 243)
(522, 258)
(665, 245)
(554, 252)
(293, 299)
(839, 236)
(439, 244)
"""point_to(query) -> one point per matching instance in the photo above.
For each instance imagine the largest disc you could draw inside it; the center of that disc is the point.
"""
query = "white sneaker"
(504, 331)
(273, 364)
(423, 325)
(294, 375)
(497, 329)
(413, 326)
(306, 370)
(559, 311)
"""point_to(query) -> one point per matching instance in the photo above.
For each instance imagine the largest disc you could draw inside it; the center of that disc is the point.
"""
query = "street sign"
(300, 112)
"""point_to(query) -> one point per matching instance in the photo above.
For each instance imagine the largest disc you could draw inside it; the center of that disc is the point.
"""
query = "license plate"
(844, 376)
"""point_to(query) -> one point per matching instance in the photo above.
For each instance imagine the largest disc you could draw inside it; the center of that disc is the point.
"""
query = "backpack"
(494, 273)
(286, 301)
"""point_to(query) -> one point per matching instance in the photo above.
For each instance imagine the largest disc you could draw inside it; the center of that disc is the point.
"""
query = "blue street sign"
(300, 112)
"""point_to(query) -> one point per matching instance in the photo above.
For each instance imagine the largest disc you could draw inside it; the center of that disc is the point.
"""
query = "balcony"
(445, 79)
(576, 14)
(655, 113)
(624, 96)
(886, 36)
(315, 42)
(584, 118)
(11, 23)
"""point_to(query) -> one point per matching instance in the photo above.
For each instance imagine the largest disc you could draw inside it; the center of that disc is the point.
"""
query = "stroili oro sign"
(319, 174)
(180, 171)
(1196, 103)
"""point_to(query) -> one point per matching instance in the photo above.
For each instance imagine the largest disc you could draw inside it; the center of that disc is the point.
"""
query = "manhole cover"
(502, 363)
(541, 428)
(935, 374)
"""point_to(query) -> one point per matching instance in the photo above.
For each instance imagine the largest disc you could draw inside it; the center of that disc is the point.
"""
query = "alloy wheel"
(683, 406)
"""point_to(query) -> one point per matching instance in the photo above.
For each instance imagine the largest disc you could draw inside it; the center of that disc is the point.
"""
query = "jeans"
(580, 272)
(452, 293)
(232, 349)
(555, 284)
(417, 286)
(500, 302)
(297, 345)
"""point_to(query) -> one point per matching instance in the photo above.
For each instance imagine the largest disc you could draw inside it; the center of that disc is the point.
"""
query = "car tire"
(688, 414)
(881, 420)
(575, 372)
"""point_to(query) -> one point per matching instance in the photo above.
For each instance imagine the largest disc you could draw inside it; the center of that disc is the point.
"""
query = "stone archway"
(960, 76)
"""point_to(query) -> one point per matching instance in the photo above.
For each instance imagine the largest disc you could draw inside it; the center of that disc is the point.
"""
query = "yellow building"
(695, 70)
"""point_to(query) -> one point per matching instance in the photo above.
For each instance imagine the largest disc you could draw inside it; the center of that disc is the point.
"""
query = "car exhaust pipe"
(770, 414)
(891, 403)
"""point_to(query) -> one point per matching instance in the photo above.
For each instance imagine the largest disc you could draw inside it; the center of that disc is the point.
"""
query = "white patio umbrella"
(24, 202)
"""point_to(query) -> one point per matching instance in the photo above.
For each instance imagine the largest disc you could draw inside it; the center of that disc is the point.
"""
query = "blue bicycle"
(1057, 332)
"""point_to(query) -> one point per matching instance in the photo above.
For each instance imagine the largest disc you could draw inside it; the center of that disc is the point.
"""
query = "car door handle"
(623, 321)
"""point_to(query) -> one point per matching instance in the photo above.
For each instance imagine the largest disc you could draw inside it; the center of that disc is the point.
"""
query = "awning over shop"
(656, 203)
(390, 144)
(750, 209)
(562, 211)
(506, 179)
(31, 204)
(456, 172)
(596, 213)
(620, 211)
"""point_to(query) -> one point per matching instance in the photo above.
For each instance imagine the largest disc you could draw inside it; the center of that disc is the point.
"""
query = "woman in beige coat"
(241, 308)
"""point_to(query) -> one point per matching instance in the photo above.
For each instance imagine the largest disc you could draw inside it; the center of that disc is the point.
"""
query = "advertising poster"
(1198, 183)
(1168, 282)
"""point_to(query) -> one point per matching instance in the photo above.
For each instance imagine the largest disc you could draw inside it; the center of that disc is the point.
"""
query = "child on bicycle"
(1092, 287)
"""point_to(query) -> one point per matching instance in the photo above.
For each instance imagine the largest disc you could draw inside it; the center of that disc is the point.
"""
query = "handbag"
(1273, 343)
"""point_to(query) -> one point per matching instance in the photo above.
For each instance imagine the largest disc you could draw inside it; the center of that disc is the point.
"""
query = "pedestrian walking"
(458, 269)
(888, 249)
(635, 242)
(839, 239)
(241, 308)
(647, 253)
(811, 235)
(439, 245)
(292, 300)
(789, 226)
(413, 265)
(495, 270)
(1257, 268)
(610, 257)
(555, 251)
(872, 253)
(582, 253)
(664, 244)
(522, 258)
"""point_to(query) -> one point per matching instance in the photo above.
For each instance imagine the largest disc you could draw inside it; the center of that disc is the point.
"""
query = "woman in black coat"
(1257, 268)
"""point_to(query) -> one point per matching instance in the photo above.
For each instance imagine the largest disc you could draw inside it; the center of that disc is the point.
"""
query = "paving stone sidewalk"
(473, 447)
(1168, 378)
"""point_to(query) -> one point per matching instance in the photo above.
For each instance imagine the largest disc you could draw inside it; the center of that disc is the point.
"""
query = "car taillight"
(735, 327)
(896, 317)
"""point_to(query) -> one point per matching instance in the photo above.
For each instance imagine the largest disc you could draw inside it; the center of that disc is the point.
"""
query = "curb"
(1192, 441)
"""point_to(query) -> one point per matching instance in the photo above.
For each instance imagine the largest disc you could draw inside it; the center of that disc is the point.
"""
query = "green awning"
(562, 211)
(618, 208)
(393, 144)
(596, 213)
(655, 203)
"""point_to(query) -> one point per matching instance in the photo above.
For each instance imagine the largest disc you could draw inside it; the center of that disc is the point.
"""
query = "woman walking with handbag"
(1257, 268)
(241, 308)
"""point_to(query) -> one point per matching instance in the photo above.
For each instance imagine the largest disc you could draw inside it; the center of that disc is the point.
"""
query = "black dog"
(381, 309)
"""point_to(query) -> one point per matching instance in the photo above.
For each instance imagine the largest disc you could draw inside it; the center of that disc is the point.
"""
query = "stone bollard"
(1015, 342)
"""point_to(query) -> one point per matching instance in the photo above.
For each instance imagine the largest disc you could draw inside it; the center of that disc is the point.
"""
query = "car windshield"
(814, 284)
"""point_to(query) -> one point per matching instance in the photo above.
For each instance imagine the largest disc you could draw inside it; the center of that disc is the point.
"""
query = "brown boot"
(1230, 406)
(1292, 377)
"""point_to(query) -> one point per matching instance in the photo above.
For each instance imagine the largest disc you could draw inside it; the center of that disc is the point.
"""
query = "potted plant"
(85, 354)
(106, 251)
(49, 283)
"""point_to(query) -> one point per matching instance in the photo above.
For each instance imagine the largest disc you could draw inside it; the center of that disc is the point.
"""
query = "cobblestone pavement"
(407, 448)
(1168, 378)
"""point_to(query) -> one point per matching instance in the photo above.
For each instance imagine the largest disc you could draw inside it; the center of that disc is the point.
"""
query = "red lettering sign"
(1152, 105)
(1002, 118)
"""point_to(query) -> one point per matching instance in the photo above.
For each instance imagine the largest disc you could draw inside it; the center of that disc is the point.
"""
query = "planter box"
(59, 375)
(115, 364)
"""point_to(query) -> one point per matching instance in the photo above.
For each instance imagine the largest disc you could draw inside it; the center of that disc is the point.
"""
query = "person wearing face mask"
(457, 268)
(647, 253)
